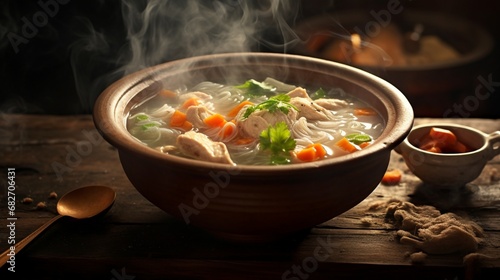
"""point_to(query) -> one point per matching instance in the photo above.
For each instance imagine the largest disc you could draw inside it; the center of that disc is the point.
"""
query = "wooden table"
(136, 240)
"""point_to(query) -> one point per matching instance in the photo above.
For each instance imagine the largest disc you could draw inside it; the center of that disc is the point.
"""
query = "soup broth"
(255, 123)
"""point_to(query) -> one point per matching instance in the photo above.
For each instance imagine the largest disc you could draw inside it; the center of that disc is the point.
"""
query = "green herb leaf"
(255, 88)
(278, 102)
(358, 138)
(278, 140)
(320, 93)
(149, 125)
(142, 117)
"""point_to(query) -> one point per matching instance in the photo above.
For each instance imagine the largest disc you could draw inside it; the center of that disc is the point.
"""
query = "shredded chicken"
(310, 110)
(298, 92)
(199, 146)
(261, 120)
(196, 115)
(331, 104)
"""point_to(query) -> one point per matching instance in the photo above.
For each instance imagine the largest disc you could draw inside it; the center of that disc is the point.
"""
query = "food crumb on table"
(41, 205)
(27, 200)
(418, 257)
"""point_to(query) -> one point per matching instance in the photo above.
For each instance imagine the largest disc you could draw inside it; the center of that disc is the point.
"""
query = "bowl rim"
(115, 98)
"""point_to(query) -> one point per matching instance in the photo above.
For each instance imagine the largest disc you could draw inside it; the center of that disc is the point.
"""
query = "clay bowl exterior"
(252, 202)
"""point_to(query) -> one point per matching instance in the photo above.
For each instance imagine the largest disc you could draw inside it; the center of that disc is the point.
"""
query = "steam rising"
(169, 30)
(138, 34)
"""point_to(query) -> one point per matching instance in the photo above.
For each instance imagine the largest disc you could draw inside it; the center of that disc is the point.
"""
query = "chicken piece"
(261, 120)
(310, 110)
(331, 103)
(298, 92)
(199, 146)
(252, 126)
(197, 114)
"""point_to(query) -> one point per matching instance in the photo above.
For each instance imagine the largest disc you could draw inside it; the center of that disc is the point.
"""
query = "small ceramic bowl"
(450, 169)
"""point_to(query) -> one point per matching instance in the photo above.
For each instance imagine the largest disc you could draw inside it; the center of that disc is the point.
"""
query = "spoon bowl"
(82, 203)
(86, 202)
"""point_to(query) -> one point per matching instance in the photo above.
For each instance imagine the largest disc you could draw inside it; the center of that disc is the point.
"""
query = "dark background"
(80, 49)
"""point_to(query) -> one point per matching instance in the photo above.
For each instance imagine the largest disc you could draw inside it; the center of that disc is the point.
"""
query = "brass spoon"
(81, 203)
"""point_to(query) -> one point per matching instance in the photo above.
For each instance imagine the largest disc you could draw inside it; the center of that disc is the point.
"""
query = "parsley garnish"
(149, 125)
(255, 88)
(320, 93)
(358, 138)
(142, 117)
(278, 140)
(274, 103)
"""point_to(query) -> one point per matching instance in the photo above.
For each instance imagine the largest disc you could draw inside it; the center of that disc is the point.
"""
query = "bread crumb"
(425, 228)
(27, 200)
(41, 205)
(53, 195)
(418, 257)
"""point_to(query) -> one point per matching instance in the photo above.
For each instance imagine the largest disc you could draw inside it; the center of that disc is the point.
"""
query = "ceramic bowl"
(450, 170)
(251, 203)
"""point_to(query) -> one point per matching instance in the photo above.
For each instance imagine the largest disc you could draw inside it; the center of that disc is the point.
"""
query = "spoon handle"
(4, 257)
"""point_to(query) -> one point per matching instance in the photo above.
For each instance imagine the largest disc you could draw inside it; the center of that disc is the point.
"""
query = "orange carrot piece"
(193, 101)
(226, 131)
(237, 108)
(444, 137)
(346, 145)
(459, 147)
(215, 120)
(178, 119)
(167, 93)
(392, 177)
(364, 112)
(364, 145)
(307, 154)
(320, 150)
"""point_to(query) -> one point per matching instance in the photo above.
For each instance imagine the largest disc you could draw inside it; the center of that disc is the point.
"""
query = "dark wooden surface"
(136, 240)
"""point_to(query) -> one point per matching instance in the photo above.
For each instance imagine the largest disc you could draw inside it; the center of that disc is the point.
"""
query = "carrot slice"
(459, 147)
(227, 131)
(178, 119)
(193, 101)
(364, 112)
(237, 108)
(307, 154)
(320, 150)
(392, 177)
(186, 126)
(167, 93)
(215, 120)
(364, 145)
(445, 137)
(312, 152)
(346, 145)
